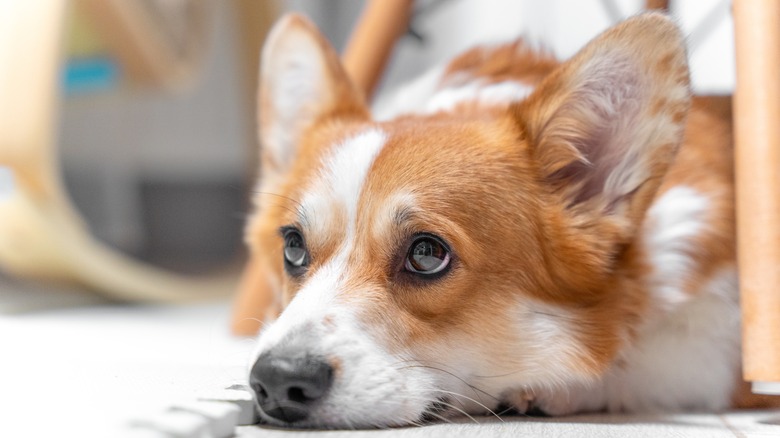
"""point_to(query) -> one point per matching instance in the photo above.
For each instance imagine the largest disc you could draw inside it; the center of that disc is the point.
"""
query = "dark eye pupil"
(427, 256)
(294, 251)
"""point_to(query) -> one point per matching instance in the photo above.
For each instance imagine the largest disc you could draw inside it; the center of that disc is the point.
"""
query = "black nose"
(286, 387)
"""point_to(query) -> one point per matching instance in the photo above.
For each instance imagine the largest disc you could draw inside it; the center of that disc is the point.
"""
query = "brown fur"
(504, 192)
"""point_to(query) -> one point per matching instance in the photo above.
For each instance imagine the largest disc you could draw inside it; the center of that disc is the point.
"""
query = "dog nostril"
(287, 387)
(260, 393)
(296, 394)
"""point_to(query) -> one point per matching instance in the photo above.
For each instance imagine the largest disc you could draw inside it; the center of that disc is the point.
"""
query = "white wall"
(199, 132)
(563, 26)
(110, 141)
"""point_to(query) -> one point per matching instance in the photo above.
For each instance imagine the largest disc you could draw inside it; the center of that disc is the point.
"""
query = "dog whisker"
(249, 318)
(298, 206)
(476, 390)
(436, 406)
(471, 399)
(426, 401)
(287, 198)
(451, 406)
(436, 416)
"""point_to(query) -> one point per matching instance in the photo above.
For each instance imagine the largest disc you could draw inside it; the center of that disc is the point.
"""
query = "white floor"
(730, 425)
(89, 371)
(71, 366)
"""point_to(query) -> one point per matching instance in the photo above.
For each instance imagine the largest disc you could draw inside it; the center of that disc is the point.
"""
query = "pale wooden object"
(254, 19)
(148, 49)
(41, 234)
(371, 43)
(757, 128)
(657, 4)
(254, 298)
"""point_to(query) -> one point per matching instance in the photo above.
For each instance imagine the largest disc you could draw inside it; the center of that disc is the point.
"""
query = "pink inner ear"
(599, 119)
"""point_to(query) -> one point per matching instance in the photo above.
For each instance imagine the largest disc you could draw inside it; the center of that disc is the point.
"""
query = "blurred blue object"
(89, 75)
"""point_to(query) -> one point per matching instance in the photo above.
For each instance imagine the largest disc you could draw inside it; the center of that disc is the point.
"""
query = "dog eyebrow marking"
(340, 183)
(398, 211)
(403, 215)
(303, 217)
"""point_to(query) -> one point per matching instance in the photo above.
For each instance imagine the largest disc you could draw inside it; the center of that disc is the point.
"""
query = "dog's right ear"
(605, 126)
(301, 82)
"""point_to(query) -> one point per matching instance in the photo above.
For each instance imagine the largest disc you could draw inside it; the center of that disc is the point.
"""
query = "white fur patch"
(409, 97)
(340, 183)
(427, 95)
(673, 221)
(483, 94)
(688, 361)
(307, 307)
(686, 355)
(548, 344)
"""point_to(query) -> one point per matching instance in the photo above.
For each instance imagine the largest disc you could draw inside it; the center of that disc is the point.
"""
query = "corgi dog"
(550, 237)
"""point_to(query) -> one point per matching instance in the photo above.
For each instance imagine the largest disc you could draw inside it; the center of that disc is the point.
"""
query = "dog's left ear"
(302, 82)
(606, 125)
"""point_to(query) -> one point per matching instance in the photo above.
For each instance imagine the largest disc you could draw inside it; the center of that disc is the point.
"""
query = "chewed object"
(213, 415)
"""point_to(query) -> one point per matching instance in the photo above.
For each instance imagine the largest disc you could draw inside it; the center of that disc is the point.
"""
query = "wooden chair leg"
(657, 4)
(757, 129)
(371, 43)
(41, 233)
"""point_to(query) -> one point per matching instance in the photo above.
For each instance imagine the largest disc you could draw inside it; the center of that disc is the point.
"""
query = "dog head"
(443, 263)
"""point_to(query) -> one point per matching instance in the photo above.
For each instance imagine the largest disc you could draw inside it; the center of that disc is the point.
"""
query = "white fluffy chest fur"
(687, 354)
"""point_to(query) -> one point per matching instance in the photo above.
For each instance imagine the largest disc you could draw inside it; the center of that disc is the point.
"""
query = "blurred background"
(163, 172)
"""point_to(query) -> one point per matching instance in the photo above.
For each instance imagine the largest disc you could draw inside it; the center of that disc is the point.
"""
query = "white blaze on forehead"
(340, 182)
(337, 188)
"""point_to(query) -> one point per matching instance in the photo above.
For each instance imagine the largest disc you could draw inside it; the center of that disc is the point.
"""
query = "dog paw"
(521, 401)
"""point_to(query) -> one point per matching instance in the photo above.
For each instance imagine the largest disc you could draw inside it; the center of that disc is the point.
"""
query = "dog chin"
(406, 410)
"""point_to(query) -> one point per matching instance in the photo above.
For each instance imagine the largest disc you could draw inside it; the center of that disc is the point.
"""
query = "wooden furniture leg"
(380, 25)
(757, 130)
(153, 52)
(41, 233)
(657, 4)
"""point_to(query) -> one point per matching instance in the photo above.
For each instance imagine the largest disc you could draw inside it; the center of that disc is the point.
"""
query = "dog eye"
(296, 257)
(427, 256)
